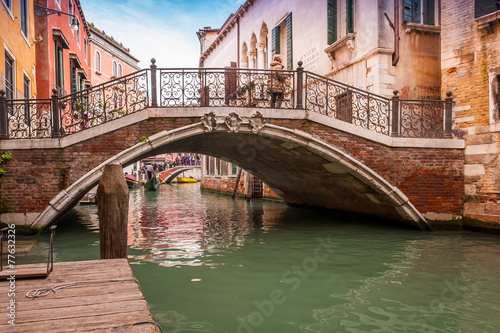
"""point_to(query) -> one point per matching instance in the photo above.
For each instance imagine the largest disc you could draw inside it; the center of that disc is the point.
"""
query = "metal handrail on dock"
(27, 273)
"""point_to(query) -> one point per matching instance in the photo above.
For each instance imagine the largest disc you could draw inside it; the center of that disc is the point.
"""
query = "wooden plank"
(24, 273)
(103, 296)
(123, 322)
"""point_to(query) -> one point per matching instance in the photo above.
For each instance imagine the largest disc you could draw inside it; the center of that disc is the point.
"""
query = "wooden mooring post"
(112, 204)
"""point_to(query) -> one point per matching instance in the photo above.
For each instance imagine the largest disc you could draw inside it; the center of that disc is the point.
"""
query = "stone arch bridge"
(350, 155)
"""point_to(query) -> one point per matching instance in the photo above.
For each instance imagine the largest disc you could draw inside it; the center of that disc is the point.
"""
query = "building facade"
(374, 45)
(62, 53)
(18, 69)
(470, 68)
(109, 59)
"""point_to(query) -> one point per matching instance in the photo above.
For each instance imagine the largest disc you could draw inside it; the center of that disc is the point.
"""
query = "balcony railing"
(218, 87)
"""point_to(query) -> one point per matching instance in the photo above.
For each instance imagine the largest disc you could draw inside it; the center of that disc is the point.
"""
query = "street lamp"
(44, 11)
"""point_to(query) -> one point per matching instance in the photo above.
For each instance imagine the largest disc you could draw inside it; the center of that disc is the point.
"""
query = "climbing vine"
(5, 157)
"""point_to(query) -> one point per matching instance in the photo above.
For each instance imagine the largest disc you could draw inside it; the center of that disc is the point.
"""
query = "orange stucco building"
(109, 58)
(17, 52)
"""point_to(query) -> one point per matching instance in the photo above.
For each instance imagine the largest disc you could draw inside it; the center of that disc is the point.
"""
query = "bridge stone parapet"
(307, 158)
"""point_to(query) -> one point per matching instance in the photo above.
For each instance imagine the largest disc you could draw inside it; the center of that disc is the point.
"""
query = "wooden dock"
(101, 296)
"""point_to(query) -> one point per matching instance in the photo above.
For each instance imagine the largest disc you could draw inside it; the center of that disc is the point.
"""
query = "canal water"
(207, 263)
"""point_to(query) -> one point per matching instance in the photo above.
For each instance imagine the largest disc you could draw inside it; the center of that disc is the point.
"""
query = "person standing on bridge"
(276, 81)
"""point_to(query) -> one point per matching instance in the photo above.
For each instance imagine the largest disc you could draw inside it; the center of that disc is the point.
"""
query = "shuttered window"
(349, 16)
(289, 46)
(275, 41)
(332, 21)
(485, 7)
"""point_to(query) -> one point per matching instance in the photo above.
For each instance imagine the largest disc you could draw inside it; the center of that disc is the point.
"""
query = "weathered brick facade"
(470, 68)
(432, 178)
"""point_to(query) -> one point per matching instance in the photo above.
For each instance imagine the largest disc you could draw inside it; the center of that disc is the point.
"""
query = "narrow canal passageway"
(207, 263)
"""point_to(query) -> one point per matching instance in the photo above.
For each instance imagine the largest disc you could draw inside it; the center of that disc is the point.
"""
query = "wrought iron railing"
(216, 87)
(346, 103)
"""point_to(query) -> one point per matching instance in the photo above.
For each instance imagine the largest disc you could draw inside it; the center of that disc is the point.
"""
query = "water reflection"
(207, 263)
(184, 227)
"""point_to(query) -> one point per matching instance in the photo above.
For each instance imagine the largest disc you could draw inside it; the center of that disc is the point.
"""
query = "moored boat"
(131, 181)
(186, 180)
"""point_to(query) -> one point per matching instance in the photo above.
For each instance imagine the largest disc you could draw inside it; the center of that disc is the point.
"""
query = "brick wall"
(431, 178)
(469, 59)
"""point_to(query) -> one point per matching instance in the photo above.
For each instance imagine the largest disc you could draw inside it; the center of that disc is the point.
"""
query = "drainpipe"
(395, 57)
(238, 42)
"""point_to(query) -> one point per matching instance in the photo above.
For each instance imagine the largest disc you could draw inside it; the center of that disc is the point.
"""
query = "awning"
(58, 35)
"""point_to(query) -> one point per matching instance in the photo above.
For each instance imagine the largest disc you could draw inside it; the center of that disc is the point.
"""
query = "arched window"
(120, 70)
(97, 61)
(114, 70)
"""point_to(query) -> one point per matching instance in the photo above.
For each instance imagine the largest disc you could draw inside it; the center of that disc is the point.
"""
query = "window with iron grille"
(419, 11)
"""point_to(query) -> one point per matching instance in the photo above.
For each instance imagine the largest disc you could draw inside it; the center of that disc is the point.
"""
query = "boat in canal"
(131, 181)
(186, 180)
(151, 184)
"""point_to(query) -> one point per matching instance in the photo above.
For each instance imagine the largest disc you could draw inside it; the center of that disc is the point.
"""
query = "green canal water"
(207, 263)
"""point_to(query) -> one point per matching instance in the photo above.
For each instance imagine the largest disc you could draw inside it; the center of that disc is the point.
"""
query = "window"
(332, 21)
(419, 11)
(27, 94)
(9, 76)
(85, 46)
(24, 18)
(217, 167)
(97, 59)
(8, 4)
(282, 34)
(485, 7)
(233, 169)
(27, 87)
(71, 11)
(340, 19)
(59, 68)
(78, 34)
(120, 70)
(114, 69)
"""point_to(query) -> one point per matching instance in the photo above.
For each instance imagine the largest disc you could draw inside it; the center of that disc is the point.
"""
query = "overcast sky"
(160, 29)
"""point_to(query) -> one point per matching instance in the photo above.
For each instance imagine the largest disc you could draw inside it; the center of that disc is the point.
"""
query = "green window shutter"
(275, 41)
(289, 48)
(332, 21)
(349, 19)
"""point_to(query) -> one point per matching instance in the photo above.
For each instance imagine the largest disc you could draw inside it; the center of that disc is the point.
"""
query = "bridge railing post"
(56, 117)
(300, 84)
(448, 115)
(154, 102)
(4, 118)
(395, 114)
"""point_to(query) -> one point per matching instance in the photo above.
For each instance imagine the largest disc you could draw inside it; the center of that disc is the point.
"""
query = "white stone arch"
(355, 175)
(263, 47)
(244, 56)
(252, 52)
